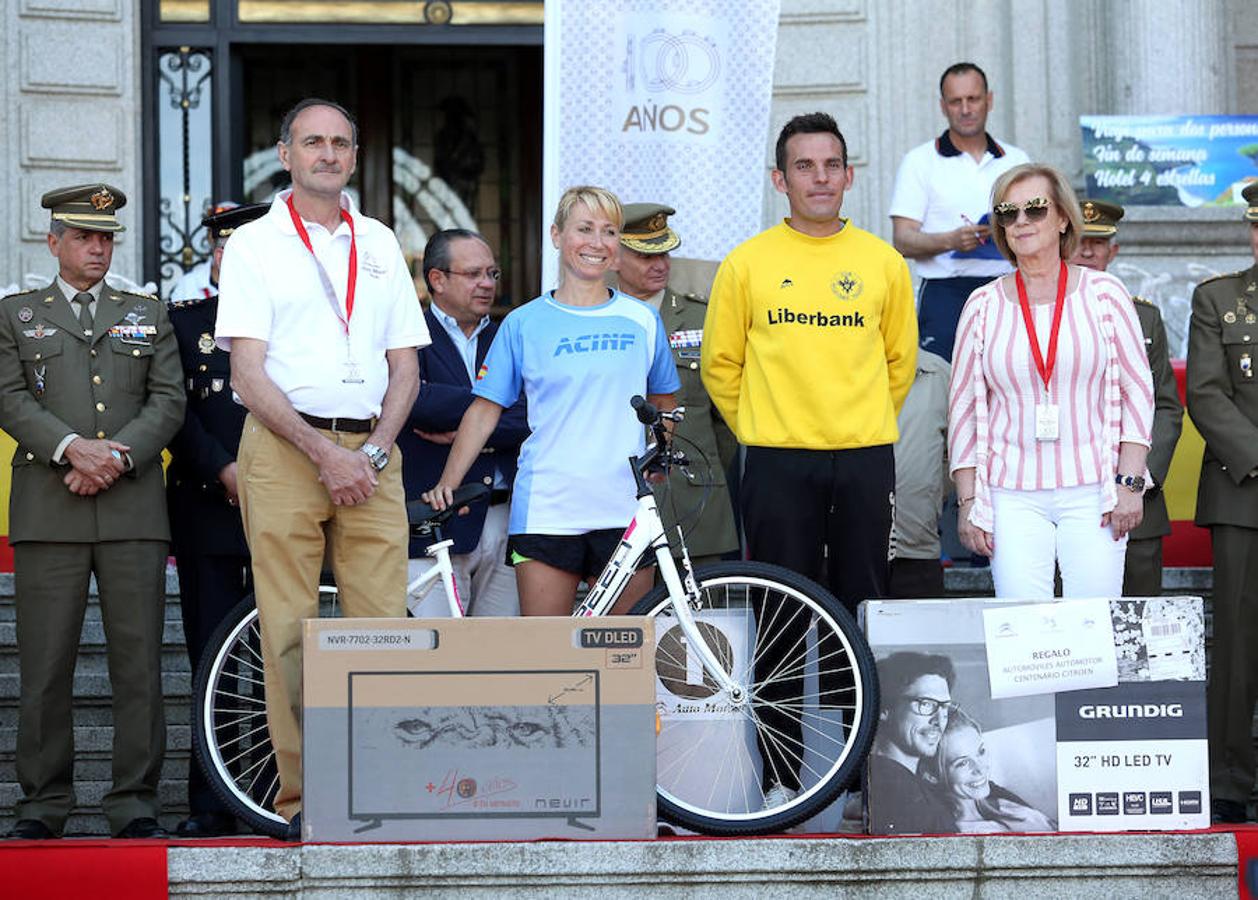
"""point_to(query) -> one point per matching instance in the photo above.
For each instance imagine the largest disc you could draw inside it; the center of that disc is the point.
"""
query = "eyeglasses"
(493, 273)
(928, 706)
(1036, 209)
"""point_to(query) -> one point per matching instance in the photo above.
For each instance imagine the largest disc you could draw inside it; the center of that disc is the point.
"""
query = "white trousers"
(486, 583)
(1034, 529)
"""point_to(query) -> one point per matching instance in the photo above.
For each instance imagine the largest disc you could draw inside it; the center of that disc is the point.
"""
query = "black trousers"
(939, 308)
(825, 514)
(209, 588)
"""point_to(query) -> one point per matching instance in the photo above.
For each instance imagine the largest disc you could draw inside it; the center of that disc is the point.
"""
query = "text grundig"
(1132, 711)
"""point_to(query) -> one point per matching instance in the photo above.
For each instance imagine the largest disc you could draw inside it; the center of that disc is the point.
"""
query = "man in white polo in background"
(318, 309)
(940, 204)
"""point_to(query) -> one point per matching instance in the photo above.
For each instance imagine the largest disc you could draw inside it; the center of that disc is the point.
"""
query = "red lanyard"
(323, 273)
(1045, 370)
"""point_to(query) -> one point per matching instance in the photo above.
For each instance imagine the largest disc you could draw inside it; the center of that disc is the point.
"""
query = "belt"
(499, 496)
(347, 426)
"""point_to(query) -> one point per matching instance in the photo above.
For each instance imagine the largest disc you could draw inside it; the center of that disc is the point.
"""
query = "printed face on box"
(916, 721)
(963, 763)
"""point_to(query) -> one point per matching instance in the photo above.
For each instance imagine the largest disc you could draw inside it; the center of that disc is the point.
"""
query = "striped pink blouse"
(1101, 384)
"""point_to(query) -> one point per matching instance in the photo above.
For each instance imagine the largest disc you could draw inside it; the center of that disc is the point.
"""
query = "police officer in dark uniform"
(1142, 576)
(1223, 403)
(207, 537)
(643, 269)
(89, 389)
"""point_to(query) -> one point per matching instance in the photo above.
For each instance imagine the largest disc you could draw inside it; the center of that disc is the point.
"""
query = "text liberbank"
(784, 316)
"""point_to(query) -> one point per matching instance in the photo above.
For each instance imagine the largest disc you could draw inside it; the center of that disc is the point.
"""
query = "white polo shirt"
(269, 289)
(943, 188)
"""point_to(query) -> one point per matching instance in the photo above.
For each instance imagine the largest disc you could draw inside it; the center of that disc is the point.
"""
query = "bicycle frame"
(443, 571)
(645, 534)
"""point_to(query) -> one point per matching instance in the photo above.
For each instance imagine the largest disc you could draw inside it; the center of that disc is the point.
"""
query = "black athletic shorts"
(581, 554)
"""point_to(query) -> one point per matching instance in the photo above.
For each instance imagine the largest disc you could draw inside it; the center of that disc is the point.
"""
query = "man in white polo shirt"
(940, 206)
(320, 314)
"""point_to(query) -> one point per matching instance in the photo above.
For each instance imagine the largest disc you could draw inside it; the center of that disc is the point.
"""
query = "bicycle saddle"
(423, 517)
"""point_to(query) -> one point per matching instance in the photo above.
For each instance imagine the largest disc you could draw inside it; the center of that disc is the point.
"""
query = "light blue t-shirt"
(578, 366)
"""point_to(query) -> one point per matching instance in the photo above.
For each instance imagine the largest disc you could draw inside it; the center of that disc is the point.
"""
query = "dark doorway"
(448, 137)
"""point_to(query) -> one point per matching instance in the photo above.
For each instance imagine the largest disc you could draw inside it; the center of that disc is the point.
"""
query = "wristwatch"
(378, 455)
(1133, 483)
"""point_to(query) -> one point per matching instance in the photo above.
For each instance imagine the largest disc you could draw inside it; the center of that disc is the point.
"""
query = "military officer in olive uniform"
(643, 268)
(1223, 403)
(206, 534)
(90, 390)
(1142, 576)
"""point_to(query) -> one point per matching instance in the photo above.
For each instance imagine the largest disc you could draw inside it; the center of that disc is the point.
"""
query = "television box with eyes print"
(1127, 757)
(479, 729)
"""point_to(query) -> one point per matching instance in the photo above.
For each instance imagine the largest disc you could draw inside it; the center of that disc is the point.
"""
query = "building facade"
(177, 103)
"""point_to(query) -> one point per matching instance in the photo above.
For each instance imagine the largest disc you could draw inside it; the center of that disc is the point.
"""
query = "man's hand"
(80, 484)
(227, 477)
(99, 461)
(437, 437)
(968, 237)
(347, 474)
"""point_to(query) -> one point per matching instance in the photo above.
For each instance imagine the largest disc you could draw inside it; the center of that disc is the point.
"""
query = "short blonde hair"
(1063, 197)
(596, 198)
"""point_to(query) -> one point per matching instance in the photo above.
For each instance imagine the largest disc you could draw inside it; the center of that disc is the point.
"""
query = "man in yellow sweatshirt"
(810, 347)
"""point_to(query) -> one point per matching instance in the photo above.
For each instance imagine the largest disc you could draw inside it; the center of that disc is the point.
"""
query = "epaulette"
(1236, 274)
(697, 298)
(189, 303)
(1136, 298)
(18, 294)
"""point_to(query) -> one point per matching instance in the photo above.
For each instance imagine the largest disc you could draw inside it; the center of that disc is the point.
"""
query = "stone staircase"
(93, 726)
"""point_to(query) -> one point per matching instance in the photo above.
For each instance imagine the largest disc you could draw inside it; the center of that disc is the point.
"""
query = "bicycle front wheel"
(788, 747)
(229, 730)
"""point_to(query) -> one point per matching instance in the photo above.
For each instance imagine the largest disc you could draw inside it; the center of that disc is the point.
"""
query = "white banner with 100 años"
(662, 101)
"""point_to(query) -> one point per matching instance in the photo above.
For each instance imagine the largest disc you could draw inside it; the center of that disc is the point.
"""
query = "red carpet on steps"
(100, 869)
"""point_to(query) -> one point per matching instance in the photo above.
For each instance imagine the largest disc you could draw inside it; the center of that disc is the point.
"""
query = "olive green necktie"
(84, 300)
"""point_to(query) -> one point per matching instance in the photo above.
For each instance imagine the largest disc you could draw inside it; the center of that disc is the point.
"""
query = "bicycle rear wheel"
(809, 717)
(229, 734)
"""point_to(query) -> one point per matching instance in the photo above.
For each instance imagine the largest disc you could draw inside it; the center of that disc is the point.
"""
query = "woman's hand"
(1126, 515)
(975, 539)
(439, 496)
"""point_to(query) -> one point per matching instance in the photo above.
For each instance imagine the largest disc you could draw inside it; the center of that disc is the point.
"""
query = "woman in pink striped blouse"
(1051, 404)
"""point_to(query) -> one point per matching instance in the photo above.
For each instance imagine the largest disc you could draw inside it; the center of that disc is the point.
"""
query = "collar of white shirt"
(284, 221)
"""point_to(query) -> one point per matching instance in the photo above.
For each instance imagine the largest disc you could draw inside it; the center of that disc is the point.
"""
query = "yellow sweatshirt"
(811, 342)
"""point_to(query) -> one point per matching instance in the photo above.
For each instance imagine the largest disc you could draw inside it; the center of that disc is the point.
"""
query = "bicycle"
(772, 682)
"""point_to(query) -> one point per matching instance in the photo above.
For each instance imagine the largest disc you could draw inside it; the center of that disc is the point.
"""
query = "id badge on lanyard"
(1047, 421)
(1047, 413)
(352, 373)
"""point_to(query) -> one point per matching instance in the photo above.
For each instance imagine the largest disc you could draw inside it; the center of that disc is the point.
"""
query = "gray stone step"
(95, 685)
(93, 605)
(93, 635)
(983, 867)
(95, 711)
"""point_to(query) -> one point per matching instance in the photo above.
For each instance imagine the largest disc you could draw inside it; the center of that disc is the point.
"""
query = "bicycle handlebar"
(647, 413)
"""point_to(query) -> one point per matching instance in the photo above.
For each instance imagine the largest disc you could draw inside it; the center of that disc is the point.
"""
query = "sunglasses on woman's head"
(1036, 210)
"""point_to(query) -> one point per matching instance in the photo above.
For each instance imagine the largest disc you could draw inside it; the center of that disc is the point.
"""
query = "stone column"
(1169, 57)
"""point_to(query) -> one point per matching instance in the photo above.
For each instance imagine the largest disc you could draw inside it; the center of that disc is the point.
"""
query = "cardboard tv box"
(1131, 756)
(479, 729)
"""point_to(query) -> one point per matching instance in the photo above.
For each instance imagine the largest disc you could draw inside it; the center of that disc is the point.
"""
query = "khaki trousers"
(287, 512)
